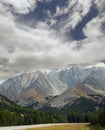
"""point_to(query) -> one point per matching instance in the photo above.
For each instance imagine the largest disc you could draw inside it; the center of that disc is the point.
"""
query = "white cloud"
(93, 29)
(100, 5)
(76, 10)
(20, 6)
(27, 49)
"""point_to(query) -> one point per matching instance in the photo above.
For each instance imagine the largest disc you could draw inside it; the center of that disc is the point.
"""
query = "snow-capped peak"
(99, 65)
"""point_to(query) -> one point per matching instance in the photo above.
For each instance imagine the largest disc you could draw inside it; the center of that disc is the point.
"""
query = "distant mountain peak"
(98, 65)
(35, 87)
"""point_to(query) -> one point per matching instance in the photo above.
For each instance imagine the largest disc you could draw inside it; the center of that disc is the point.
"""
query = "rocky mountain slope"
(67, 84)
(27, 88)
(74, 93)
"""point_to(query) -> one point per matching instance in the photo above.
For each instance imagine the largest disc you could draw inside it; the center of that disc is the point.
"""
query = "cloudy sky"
(47, 34)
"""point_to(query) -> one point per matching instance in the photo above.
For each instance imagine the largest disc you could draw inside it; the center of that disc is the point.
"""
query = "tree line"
(15, 115)
(78, 118)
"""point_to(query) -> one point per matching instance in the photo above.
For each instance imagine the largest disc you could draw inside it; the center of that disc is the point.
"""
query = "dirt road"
(28, 127)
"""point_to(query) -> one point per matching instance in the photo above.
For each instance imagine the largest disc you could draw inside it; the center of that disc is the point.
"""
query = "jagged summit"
(34, 87)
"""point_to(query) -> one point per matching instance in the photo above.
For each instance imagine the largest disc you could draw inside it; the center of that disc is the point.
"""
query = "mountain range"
(56, 88)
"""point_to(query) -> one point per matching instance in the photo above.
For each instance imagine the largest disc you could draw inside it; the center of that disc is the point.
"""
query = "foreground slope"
(13, 115)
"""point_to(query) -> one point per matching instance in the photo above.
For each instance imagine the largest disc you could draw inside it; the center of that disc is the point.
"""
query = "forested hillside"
(83, 110)
(12, 114)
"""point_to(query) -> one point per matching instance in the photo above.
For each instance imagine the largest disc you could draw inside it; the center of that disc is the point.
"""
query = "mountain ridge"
(33, 88)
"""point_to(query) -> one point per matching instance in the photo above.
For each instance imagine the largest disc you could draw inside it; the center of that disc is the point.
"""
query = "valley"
(34, 98)
(52, 64)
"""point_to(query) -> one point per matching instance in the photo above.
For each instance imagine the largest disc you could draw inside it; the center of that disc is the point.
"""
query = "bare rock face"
(71, 94)
(68, 84)
(27, 88)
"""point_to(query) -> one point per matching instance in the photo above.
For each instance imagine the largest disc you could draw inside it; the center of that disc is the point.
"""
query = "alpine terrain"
(56, 88)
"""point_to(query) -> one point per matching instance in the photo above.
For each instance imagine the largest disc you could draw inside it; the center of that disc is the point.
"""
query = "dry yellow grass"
(62, 127)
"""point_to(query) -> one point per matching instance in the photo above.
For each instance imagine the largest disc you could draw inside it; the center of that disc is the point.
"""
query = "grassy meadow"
(93, 128)
(63, 127)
